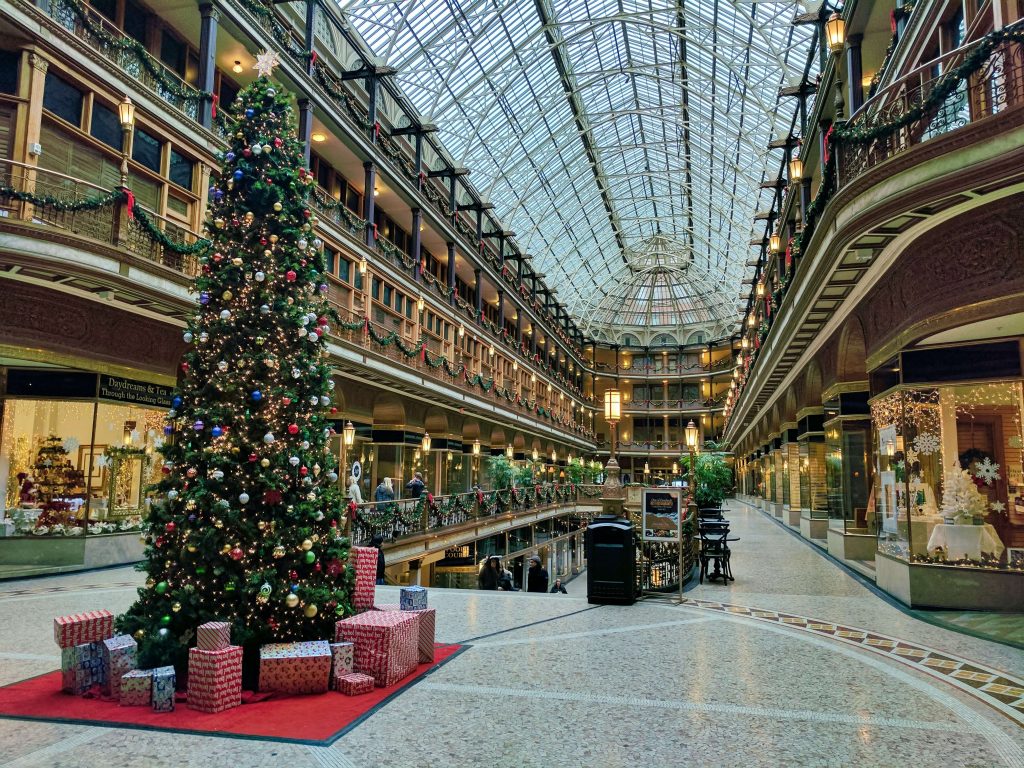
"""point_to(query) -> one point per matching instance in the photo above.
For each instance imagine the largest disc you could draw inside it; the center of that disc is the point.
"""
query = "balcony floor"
(552, 681)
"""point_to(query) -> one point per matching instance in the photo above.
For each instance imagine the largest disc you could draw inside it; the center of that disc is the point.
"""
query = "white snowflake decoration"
(70, 444)
(926, 443)
(134, 436)
(998, 507)
(102, 461)
(265, 63)
(987, 470)
(911, 456)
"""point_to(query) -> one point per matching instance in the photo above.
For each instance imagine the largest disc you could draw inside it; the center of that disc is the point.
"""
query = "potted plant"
(712, 476)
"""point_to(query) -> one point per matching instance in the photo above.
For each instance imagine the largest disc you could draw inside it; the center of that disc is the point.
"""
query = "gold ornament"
(176, 607)
(291, 600)
(316, 538)
(273, 238)
(227, 295)
(278, 207)
(264, 463)
(139, 634)
(279, 551)
(191, 547)
(310, 610)
(236, 261)
(218, 523)
(307, 544)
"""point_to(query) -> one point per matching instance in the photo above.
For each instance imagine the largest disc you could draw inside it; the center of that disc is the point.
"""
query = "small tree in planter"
(499, 473)
(713, 478)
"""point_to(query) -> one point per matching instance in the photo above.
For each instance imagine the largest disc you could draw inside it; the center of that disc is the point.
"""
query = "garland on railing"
(156, 234)
(943, 87)
(352, 221)
(48, 201)
(129, 45)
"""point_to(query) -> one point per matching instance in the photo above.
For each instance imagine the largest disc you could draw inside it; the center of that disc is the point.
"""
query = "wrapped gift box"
(365, 559)
(89, 627)
(412, 598)
(214, 678)
(120, 655)
(163, 689)
(385, 643)
(354, 683)
(213, 635)
(136, 689)
(68, 670)
(295, 667)
(342, 661)
(81, 666)
(427, 628)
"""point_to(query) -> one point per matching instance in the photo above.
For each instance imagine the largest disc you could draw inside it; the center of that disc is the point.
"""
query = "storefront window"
(949, 461)
(71, 468)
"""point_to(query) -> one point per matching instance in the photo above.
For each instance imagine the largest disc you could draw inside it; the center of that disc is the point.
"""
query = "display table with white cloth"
(959, 541)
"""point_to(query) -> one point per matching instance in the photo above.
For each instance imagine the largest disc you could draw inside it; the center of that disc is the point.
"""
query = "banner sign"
(661, 514)
(132, 391)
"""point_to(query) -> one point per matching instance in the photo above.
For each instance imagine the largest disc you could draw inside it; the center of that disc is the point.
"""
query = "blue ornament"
(250, 112)
(168, 429)
(229, 156)
(238, 174)
(198, 426)
(191, 518)
(204, 297)
(216, 431)
(176, 402)
(217, 194)
(256, 395)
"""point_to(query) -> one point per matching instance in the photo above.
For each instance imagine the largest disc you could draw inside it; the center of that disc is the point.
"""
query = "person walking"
(415, 486)
(354, 494)
(488, 578)
(385, 491)
(378, 542)
(537, 577)
(557, 587)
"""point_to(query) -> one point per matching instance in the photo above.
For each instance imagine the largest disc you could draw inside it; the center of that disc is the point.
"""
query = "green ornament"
(200, 570)
(165, 620)
(161, 587)
(310, 557)
(229, 587)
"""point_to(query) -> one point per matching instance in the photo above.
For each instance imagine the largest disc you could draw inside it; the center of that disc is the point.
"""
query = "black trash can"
(611, 561)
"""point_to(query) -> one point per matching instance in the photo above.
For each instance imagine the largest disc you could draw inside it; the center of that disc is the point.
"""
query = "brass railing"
(991, 90)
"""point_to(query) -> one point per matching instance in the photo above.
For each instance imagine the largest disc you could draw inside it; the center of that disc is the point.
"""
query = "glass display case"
(949, 487)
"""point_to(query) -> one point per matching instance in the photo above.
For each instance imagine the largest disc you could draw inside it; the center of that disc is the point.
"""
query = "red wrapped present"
(427, 628)
(79, 628)
(385, 641)
(213, 635)
(365, 560)
(354, 683)
(214, 678)
(295, 667)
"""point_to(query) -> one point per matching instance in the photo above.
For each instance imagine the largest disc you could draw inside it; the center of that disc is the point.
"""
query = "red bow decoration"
(423, 353)
(129, 202)
(313, 57)
(430, 499)
(213, 106)
(827, 142)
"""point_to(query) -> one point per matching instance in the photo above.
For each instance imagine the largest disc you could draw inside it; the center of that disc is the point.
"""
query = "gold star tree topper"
(265, 63)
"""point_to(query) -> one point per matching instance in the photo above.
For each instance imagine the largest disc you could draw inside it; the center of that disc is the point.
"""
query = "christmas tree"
(248, 525)
(960, 498)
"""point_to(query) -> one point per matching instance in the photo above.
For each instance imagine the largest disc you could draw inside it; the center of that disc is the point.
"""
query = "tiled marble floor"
(551, 681)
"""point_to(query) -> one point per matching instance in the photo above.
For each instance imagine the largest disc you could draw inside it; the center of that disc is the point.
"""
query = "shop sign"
(661, 519)
(133, 391)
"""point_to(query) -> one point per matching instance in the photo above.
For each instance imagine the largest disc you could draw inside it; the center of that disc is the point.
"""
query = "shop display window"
(847, 479)
(949, 484)
(70, 468)
(813, 497)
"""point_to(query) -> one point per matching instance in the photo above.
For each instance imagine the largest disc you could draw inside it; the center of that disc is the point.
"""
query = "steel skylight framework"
(597, 127)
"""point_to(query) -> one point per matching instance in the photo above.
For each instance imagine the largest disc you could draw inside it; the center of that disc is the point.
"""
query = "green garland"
(133, 47)
(155, 233)
(48, 201)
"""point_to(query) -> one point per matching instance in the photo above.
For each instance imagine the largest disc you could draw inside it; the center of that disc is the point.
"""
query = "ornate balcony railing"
(85, 209)
(672, 405)
(402, 518)
(972, 83)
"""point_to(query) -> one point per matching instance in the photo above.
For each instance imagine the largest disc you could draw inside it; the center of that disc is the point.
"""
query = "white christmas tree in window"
(960, 497)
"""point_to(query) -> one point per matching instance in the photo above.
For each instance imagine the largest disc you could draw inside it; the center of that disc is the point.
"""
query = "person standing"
(415, 486)
(489, 573)
(354, 494)
(385, 491)
(378, 542)
(537, 577)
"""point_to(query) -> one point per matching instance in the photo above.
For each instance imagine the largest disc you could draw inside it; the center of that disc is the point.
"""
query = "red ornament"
(321, 320)
(252, 457)
(302, 262)
(165, 469)
(290, 275)
(307, 213)
(263, 241)
(278, 142)
(293, 429)
(334, 409)
(184, 367)
(316, 567)
(217, 257)
(170, 527)
(272, 497)
(236, 553)
(159, 541)
(247, 152)
(293, 575)
(303, 471)
(286, 400)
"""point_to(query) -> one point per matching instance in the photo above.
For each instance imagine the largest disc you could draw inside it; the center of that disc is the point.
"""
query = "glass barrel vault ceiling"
(606, 129)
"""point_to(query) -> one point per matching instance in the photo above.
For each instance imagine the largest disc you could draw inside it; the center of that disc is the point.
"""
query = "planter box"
(851, 546)
(812, 527)
(32, 555)
(921, 585)
(793, 516)
(777, 509)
